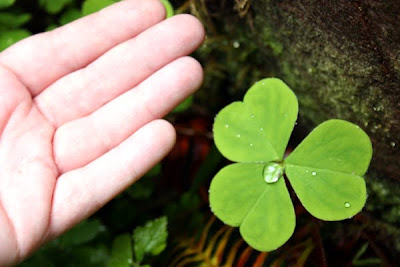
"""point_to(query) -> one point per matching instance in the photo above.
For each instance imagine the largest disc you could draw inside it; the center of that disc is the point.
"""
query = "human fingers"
(44, 58)
(81, 192)
(120, 69)
(81, 141)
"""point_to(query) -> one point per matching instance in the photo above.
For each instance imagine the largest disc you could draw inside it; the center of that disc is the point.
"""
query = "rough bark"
(342, 58)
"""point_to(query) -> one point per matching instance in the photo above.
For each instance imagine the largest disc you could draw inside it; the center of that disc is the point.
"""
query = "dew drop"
(261, 129)
(285, 115)
(251, 144)
(238, 135)
(226, 126)
(347, 204)
(314, 173)
(392, 144)
(272, 172)
(306, 170)
(236, 44)
(252, 115)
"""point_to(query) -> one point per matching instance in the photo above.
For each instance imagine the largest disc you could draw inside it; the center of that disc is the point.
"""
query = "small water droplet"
(272, 172)
(285, 115)
(251, 144)
(252, 115)
(261, 129)
(236, 44)
(314, 173)
(238, 135)
(226, 126)
(392, 144)
(306, 170)
(295, 123)
(347, 204)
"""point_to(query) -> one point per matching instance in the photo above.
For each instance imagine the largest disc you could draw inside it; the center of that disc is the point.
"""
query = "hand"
(80, 111)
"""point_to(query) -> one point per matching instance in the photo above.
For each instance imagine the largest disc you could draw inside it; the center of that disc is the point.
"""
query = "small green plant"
(324, 170)
(150, 239)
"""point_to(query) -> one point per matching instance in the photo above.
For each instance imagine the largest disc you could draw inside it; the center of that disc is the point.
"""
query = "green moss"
(332, 72)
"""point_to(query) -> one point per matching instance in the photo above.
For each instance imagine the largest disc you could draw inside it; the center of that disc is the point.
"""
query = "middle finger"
(121, 68)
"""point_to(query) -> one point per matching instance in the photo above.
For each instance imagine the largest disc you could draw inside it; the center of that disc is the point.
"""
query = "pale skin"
(80, 115)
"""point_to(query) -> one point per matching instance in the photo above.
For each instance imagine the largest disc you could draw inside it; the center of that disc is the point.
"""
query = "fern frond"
(216, 248)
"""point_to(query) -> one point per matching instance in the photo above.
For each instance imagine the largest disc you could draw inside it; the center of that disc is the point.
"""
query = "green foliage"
(9, 20)
(54, 6)
(144, 187)
(150, 239)
(86, 245)
(82, 233)
(6, 3)
(91, 6)
(184, 105)
(10, 37)
(80, 246)
(70, 15)
(324, 170)
(121, 252)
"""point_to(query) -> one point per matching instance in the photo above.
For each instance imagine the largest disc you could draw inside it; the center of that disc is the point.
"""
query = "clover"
(325, 170)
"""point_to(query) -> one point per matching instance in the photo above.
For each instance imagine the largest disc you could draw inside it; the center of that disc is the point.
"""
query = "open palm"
(79, 115)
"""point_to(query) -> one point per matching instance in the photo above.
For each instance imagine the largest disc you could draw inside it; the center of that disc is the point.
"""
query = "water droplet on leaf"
(226, 126)
(238, 135)
(252, 115)
(393, 144)
(272, 172)
(236, 44)
(314, 173)
(347, 204)
(251, 144)
(261, 129)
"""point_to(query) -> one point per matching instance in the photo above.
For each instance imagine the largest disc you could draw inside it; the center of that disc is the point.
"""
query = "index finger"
(40, 60)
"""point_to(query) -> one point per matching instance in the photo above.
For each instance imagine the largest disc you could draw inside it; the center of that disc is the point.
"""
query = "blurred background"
(341, 58)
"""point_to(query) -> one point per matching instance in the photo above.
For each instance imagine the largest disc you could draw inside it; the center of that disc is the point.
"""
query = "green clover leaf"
(324, 170)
